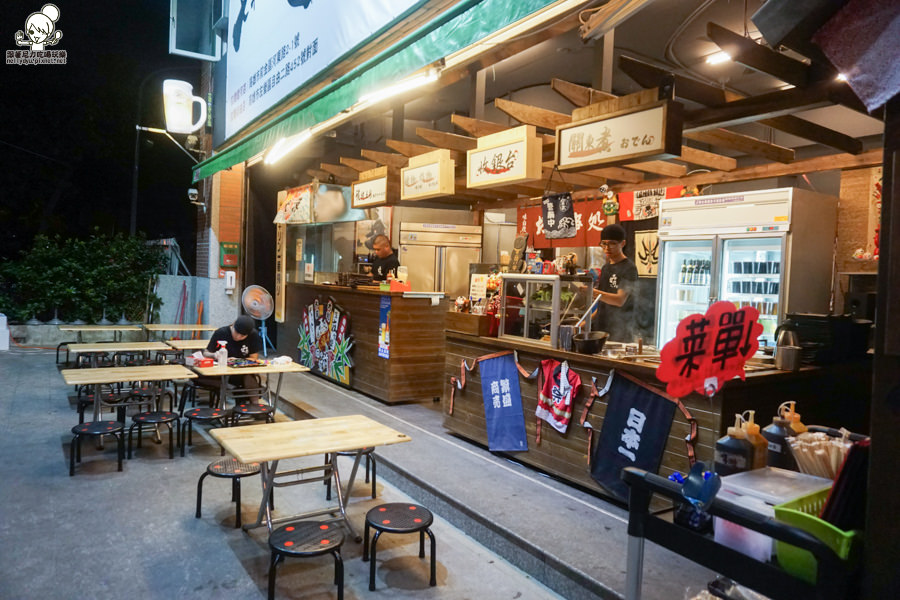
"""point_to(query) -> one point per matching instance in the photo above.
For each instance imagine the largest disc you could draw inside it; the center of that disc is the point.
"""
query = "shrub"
(81, 278)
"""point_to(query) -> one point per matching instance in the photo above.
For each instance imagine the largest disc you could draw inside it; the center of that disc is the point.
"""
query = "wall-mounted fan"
(259, 304)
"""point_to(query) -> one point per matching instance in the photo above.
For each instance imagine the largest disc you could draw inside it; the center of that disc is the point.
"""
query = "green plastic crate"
(802, 513)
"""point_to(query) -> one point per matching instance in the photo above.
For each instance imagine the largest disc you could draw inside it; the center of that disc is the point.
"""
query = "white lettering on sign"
(631, 435)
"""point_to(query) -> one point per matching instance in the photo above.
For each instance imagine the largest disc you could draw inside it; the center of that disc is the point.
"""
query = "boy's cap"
(244, 325)
(613, 233)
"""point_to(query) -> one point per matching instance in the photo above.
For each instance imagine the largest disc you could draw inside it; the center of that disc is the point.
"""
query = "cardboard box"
(190, 361)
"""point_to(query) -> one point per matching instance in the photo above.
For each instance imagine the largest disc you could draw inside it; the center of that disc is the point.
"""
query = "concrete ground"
(503, 530)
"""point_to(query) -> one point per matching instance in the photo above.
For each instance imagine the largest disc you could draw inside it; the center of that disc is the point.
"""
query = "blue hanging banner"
(503, 404)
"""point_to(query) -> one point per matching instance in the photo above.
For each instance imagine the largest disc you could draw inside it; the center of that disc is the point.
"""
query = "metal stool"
(158, 417)
(398, 517)
(229, 468)
(92, 429)
(305, 539)
(202, 414)
(253, 410)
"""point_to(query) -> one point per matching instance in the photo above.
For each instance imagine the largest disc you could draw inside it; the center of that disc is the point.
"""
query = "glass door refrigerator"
(770, 249)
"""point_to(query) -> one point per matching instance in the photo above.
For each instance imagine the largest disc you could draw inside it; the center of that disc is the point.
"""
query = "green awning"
(461, 26)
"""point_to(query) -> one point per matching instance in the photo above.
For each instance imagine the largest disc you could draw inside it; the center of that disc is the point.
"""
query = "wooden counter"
(834, 396)
(415, 370)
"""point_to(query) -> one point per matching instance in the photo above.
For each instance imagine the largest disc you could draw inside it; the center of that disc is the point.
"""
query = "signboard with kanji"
(428, 176)
(643, 132)
(709, 349)
(503, 158)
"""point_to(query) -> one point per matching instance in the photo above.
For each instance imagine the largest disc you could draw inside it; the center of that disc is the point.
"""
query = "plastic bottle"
(760, 445)
(734, 452)
(793, 417)
(779, 454)
(222, 355)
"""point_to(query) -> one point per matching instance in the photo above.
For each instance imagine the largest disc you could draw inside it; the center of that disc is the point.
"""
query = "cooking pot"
(590, 342)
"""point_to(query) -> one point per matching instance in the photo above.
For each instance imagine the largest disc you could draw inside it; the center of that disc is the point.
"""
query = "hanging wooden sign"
(506, 157)
(643, 132)
(375, 187)
(428, 176)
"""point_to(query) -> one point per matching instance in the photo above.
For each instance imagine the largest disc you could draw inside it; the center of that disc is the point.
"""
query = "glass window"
(192, 28)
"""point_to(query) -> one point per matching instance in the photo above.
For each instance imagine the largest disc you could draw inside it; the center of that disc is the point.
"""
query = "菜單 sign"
(620, 137)
(709, 349)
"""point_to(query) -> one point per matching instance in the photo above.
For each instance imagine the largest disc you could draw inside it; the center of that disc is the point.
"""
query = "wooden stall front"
(414, 370)
(834, 396)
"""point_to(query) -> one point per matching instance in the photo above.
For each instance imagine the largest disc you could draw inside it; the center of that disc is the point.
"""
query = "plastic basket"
(802, 513)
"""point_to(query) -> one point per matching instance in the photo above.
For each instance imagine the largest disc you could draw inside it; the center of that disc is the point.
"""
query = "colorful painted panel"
(325, 340)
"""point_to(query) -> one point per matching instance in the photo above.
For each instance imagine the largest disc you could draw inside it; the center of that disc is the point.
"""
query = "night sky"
(67, 131)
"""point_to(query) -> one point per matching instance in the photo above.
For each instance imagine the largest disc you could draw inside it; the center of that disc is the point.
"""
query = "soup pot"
(590, 342)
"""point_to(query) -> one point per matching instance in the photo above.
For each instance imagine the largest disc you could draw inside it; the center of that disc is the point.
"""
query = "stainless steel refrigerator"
(771, 249)
(437, 256)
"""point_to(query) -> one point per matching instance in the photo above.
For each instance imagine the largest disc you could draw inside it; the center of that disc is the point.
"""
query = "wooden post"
(882, 536)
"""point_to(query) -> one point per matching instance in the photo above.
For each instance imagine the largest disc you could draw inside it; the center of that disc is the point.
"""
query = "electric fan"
(258, 303)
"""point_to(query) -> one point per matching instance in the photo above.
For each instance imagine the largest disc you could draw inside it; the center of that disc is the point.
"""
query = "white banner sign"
(275, 47)
(370, 193)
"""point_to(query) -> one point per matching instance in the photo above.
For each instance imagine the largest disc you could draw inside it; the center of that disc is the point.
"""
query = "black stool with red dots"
(304, 539)
(229, 468)
(398, 517)
(93, 429)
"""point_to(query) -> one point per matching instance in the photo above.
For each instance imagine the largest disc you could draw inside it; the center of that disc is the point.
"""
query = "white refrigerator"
(770, 249)
(437, 256)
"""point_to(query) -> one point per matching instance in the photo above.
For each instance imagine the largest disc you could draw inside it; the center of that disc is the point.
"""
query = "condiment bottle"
(793, 417)
(760, 445)
(779, 454)
(222, 355)
(734, 452)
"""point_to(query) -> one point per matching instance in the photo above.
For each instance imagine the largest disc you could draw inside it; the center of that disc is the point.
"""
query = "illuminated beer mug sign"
(179, 100)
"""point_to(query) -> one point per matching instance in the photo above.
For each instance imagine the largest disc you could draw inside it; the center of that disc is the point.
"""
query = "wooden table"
(271, 442)
(266, 369)
(115, 329)
(101, 347)
(159, 327)
(183, 345)
(112, 375)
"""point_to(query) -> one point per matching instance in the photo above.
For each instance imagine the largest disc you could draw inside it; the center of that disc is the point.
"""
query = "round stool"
(157, 417)
(228, 468)
(398, 517)
(305, 539)
(253, 410)
(203, 415)
(92, 429)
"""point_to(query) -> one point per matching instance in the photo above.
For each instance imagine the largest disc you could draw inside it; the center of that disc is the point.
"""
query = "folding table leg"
(634, 566)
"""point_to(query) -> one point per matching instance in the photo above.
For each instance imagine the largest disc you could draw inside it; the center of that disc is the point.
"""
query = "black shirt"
(252, 344)
(382, 266)
(617, 320)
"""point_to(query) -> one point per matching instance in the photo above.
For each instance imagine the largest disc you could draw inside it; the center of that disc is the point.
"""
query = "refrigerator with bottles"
(770, 249)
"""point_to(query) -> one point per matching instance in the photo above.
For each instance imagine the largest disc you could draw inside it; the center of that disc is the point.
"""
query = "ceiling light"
(841, 77)
(718, 57)
(285, 145)
(404, 85)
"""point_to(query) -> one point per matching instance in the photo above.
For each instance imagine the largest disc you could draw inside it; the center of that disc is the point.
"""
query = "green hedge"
(82, 277)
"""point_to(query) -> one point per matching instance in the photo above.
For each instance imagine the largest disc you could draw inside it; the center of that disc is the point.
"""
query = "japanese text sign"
(637, 133)
(510, 156)
(504, 417)
(428, 176)
(373, 188)
(709, 349)
(589, 223)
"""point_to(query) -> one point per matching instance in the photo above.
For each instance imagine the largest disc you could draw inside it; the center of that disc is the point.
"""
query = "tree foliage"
(82, 277)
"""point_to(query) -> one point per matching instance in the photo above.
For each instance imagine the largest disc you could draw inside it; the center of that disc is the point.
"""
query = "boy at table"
(241, 341)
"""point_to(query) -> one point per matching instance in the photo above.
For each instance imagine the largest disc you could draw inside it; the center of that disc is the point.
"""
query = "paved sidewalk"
(108, 535)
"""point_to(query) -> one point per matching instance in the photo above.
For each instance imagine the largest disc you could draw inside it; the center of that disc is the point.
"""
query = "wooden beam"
(706, 159)
(722, 138)
(451, 141)
(618, 103)
(326, 177)
(763, 106)
(573, 179)
(358, 164)
(702, 93)
(579, 95)
(759, 58)
(532, 115)
(410, 149)
(616, 174)
(659, 167)
(476, 127)
(831, 162)
(385, 158)
(340, 171)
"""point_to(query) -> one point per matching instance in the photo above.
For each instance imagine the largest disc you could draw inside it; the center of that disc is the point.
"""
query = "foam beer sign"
(709, 349)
